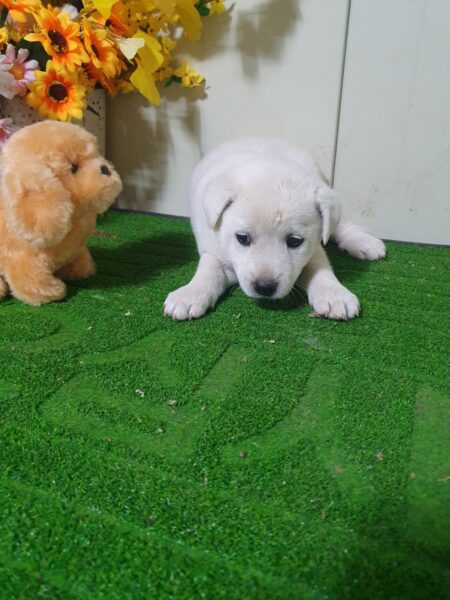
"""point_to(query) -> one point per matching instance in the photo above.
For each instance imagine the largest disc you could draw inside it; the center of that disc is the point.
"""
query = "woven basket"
(93, 120)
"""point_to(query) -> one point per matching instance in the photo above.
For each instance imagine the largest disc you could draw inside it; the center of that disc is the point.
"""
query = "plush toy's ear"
(218, 197)
(38, 206)
(329, 208)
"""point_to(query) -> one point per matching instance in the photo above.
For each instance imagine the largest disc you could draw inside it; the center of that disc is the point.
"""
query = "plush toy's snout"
(96, 183)
(54, 183)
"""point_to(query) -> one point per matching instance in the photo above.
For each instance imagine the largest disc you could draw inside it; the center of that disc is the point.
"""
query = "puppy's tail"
(358, 242)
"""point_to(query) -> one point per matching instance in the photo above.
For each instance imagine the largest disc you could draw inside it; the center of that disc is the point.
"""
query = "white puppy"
(259, 210)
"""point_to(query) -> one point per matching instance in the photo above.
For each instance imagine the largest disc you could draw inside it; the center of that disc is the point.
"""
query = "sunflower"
(95, 75)
(102, 53)
(119, 20)
(60, 38)
(19, 9)
(57, 95)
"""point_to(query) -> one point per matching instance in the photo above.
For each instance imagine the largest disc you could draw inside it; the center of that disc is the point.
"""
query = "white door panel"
(393, 153)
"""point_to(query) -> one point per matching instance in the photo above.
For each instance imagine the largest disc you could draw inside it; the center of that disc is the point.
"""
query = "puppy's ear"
(38, 207)
(329, 209)
(218, 197)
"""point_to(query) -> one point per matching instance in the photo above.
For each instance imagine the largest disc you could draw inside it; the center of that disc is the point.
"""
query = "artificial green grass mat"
(254, 453)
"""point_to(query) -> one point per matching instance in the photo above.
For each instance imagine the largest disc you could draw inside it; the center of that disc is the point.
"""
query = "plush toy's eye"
(74, 167)
(294, 241)
(244, 239)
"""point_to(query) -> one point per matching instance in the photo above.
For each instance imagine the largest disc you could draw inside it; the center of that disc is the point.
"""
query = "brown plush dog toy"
(53, 185)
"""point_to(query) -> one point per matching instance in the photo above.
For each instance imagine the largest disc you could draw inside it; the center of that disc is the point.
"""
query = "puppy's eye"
(74, 167)
(294, 241)
(244, 239)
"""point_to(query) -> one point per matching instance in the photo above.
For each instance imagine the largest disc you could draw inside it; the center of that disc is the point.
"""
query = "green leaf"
(3, 15)
(172, 79)
(202, 8)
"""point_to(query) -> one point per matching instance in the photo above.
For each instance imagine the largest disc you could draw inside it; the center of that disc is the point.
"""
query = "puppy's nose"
(265, 287)
(105, 170)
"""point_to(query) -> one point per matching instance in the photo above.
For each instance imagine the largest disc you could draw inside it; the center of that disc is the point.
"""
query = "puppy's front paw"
(364, 246)
(335, 302)
(187, 303)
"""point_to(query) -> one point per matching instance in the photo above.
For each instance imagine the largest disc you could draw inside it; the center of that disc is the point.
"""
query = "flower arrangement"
(52, 54)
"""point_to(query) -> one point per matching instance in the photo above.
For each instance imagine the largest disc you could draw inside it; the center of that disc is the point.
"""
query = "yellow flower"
(216, 6)
(190, 19)
(97, 76)
(119, 20)
(163, 74)
(149, 59)
(60, 38)
(57, 95)
(102, 53)
(189, 76)
(18, 9)
(124, 86)
(161, 23)
(167, 43)
(166, 70)
(4, 36)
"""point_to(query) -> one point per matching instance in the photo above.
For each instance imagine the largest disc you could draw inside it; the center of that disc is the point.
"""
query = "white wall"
(273, 67)
(393, 154)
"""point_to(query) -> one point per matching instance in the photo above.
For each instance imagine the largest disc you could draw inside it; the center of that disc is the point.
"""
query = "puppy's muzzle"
(265, 287)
